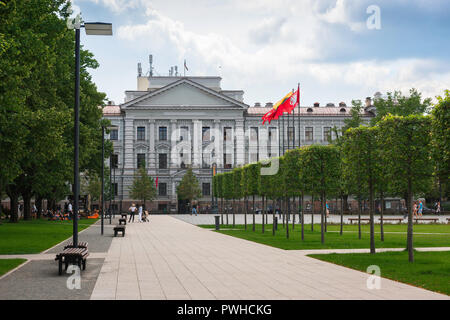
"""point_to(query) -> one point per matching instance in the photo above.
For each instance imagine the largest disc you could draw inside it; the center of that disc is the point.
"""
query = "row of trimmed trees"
(397, 156)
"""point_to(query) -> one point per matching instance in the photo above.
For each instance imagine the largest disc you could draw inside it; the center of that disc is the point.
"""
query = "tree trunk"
(293, 214)
(322, 214)
(234, 215)
(273, 217)
(221, 210)
(13, 195)
(288, 209)
(345, 199)
(359, 217)
(26, 206)
(253, 213)
(226, 211)
(246, 211)
(263, 212)
(312, 212)
(381, 217)
(342, 215)
(302, 217)
(371, 216)
(410, 224)
(38, 206)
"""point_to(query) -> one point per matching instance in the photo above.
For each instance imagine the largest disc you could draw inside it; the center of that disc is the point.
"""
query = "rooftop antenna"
(150, 60)
(139, 69)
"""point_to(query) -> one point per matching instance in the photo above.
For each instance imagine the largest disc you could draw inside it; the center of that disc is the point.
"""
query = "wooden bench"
(80, 245)
(75, 256)
(426, 219)
(356, 219)
(122, 220)
(119, 228)
(392, 219)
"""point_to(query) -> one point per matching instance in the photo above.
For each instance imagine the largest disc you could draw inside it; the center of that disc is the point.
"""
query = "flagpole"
(299, 131)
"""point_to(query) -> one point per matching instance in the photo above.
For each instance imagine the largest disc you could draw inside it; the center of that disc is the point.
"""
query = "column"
(218, 142)
(173, 143)
(128, 155)
(197, 143)
(240, 143)
(151, 150)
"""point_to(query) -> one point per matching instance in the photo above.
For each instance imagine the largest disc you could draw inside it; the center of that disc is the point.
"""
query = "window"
(272, 134)
(291, 133)
(141, 160)
(162, 133)
(254, 134)
(140, 133)
(327, 133)
(163, 160)
(114, 161)
(184, 133)
(227, 160)
(162, 189)
(114, 134)
(206, 160)
(309, 134)
(206, 189)
(206, 137)
(227, 134)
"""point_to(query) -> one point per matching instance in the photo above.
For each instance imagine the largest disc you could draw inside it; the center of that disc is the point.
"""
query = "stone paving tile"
(171, 259)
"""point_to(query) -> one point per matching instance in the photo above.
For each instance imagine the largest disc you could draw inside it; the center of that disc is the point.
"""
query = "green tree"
(361, 158)
(405, 152)
(237, 189)
(441, 141)
(189, 187)
(253, 176)
(143, 187)
(228, 192)
(398, 104)
(320, 171)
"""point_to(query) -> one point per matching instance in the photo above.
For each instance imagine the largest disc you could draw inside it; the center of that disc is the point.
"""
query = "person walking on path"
(328, 209)
(415, 209)
(70, 210)
(194, 211)
(420, 208)
(140, 213)
(438, 207)
(132, 210)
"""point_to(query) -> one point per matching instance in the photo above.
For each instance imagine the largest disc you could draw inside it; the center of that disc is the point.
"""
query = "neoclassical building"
(172, 122)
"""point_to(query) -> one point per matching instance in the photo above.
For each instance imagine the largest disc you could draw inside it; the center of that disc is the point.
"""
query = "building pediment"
(184, 94)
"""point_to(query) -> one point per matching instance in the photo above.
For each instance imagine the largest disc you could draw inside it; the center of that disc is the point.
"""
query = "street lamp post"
(96, 28)
(214, 209)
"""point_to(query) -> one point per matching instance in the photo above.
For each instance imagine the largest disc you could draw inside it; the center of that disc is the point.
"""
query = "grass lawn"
(430, 270)
(425, 235)
(36, 235)
(9, 264)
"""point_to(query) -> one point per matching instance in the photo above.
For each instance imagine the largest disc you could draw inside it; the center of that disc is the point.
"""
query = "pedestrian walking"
(194, 211)
(438, 208)
(420, 210)
(70, 210)
(415, 209)
(132, 210)
(328, 208)
(140, 213)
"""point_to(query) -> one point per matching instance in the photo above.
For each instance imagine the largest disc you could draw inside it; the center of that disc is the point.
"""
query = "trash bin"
(275, 223)
(217, 218)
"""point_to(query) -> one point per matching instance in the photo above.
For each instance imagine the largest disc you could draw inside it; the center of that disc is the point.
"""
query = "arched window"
(309, 110)
(343, 110)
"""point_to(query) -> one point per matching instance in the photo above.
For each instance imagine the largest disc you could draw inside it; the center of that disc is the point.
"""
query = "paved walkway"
(171, 259)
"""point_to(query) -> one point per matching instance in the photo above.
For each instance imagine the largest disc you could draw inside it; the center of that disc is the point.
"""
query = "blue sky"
(265, 47)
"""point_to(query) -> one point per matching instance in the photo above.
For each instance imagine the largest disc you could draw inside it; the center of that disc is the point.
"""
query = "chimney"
(316, 104)
(331, 104)
(368, 101)
(257, 104)
(269, 105)
(342, 104)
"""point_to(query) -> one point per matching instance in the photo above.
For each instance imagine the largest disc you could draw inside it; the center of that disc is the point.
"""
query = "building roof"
(309, 111)
(110, 110)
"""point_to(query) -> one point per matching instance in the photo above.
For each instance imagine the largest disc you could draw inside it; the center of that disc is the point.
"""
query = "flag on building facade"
(156, 183)
(287, 104)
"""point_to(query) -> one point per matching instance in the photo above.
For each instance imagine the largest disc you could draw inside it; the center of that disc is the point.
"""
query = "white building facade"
(170, 123)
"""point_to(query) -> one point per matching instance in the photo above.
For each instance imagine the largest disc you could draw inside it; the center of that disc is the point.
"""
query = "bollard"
(217, 218)
(275, 223)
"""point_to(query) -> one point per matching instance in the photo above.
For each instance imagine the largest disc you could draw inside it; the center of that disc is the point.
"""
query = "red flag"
(156, 182)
